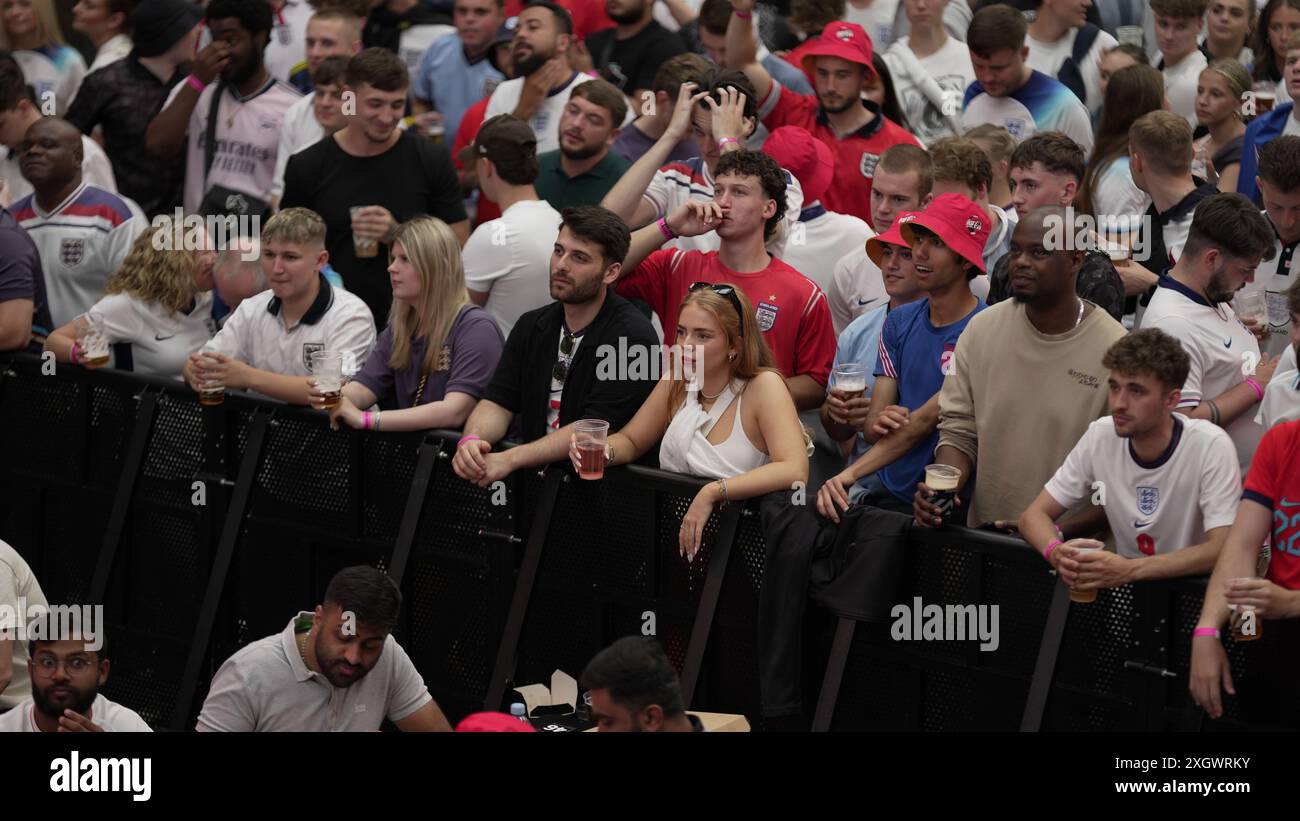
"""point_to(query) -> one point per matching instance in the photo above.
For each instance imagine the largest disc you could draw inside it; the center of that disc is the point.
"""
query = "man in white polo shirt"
(1278, 181)
(266, 345)
(508, 259)
(541, 44)
(66, 674)
(1226, 241)
(1171, 483)
(336, 670)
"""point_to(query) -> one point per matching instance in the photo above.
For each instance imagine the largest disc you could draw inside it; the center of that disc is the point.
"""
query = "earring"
(731, 356)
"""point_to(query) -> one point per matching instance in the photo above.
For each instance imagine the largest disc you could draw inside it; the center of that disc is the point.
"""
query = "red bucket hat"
(961, 224)
(492, 723)
(847, 41)
(803, 155)
(894, 236)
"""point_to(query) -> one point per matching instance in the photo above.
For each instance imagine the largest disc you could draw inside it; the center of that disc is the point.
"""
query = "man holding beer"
(915, 354)
(1169, 483)
(268, 344)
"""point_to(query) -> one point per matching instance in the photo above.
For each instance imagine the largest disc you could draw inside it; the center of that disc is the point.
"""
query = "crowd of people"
(1047, 245)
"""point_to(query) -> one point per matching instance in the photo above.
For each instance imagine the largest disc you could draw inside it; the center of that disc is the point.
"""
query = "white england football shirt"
(82, 241)
(1154, 507)
(819, 239)
(1282, 395)
(159, 343)
(1273, 277)
(95, 169)
(546, 122)
(54, 72)
(1220, 348)
(287, 50)
(857, 287)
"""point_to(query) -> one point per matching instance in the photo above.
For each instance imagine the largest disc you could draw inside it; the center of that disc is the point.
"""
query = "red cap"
(894, 236)
(961, 224)
(809, 159)
(847, 41)
(492, 723)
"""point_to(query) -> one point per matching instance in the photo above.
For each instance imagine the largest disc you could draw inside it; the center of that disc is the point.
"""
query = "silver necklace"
(1079, 318)
(704, 395)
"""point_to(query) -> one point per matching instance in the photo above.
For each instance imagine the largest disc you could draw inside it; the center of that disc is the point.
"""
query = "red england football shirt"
(856, 154)
(1274, 482)
(792, 310)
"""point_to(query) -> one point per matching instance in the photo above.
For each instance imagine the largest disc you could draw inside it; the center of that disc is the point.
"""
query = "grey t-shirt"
(266, 687)
(19, 592)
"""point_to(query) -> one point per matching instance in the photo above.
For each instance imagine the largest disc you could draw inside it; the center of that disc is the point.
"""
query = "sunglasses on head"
(727, 291)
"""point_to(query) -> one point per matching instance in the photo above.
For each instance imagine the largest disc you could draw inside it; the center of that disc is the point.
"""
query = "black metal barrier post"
(220, 568)
(430, 452)
(728, 525)
(125, 492)
(1040, 685)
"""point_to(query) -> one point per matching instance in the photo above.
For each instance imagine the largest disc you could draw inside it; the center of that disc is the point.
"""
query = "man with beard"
(584, 169)
(1227, 240)
(629, 54)
(541, 44)
(634, 689)
(336, 670)
(1172, 484)
(66, 673)
(81, 231)
(1278, 181)
(370, 176)
(507, 259)
(854, 128)
(249, 105)
(549, 374)
(1026, 381)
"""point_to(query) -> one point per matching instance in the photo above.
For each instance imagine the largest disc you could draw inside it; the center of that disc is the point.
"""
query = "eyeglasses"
(46, 665)
(567, 344)
(724, 291)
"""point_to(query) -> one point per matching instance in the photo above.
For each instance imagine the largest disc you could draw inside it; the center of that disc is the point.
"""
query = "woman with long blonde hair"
(156, 310)
(51, 67)
(723, 411)
(439, 351)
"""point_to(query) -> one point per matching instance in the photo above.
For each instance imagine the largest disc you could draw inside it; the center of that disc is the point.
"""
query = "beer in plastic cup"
(327, 370)
(942, 481)
(1084, 596)
(1264, 101)
(1117, 253)
(94, 343)
(362, 248)
(1246, 623)
(212, 394)
(849, 381)
(1252, 304)
(591, 435)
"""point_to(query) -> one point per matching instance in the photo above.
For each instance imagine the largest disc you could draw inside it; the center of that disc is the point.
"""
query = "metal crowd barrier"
(201, 529)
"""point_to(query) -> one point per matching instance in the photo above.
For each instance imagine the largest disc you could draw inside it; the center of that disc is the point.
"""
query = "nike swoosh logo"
(1285, 503)
(1140, 525)
(157, 338)
(1227, 343)
(864, 303)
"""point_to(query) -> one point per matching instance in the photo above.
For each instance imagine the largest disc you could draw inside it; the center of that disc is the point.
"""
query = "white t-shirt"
(950, 67)
(680, 182)
(509, 259)
(1218, 345)
(1180, 85)
(256, 335)
(266, 687)
(1292, 127)
(18, 589)
(160, 344)
(1119, 201)
(1156, 507)
(1282, 394)
(248, 138)
(546, 122)
(1049, 57)
(110, 716)
(877, 20)
(300, 130)
(95, 169)
(286, 51)
(956, 20)
(82, 241)
(1042, 104)
(820, 238)
(1273, 278)
(115, 48)
(857, 287)
(52, 69)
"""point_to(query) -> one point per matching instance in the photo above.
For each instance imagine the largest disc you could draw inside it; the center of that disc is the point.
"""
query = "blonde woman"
(55, 70)
(1217, 155)
(439, 351)
(157, 310)
(737, 425)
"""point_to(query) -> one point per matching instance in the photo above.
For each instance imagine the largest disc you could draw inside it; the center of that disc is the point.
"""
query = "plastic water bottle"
(519, 711)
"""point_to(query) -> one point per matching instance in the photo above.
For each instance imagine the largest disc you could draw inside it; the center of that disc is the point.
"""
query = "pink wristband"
(1259, 392)
(664, 229)
(469, 437)
(195, 83)
(365, 421)
(1052, 545)
(722, 143)
(75, 354)
(743, 15)
(1207, 631)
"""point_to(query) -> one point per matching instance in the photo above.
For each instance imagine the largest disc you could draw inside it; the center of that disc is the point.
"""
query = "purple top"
(632, 142)
(21, 276)
(475, 342)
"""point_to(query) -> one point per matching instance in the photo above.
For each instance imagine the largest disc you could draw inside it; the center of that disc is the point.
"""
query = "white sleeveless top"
(685, 448)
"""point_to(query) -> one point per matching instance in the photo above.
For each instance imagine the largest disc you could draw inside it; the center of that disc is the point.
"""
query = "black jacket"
(522, 382)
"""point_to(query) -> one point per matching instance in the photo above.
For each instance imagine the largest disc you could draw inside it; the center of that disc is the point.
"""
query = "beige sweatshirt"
(1017, 401)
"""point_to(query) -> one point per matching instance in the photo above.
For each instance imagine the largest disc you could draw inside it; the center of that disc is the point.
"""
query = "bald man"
(81, 231)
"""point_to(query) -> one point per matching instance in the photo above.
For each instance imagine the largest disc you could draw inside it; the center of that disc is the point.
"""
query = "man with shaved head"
(81, 231)
(1026, 381)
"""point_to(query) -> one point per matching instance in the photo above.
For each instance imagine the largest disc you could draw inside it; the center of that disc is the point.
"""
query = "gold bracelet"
(609, 455)
(725, 498)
